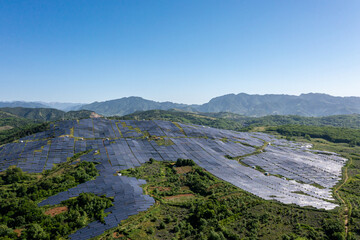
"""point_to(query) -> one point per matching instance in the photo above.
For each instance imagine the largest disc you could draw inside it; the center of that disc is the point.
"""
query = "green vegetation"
(332, 134)
(197, 205)
(187, 199)
(190, 202)
(243, 123)
(8, 121)
(20, 132)
(311, 104)
(184, 117)
(46, 114)
(20, 192)
(184, 162)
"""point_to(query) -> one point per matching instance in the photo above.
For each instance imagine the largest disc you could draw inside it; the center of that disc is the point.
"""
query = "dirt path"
(346, 209)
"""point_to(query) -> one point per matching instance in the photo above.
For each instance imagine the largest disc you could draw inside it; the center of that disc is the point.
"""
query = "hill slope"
(190, 202)
(304, 105)
(237, 122)
(311, 104)
(47, 114)
(9, 121)
(124, 106)
(22, 104)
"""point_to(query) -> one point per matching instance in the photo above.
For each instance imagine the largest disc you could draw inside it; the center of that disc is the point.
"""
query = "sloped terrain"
(46, 114)
(311, 105)
(261, 164)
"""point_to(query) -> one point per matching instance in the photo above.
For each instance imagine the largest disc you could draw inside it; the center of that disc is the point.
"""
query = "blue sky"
(183, 51)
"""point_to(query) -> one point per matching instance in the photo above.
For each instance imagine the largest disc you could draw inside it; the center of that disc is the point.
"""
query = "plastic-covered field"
(294, 170)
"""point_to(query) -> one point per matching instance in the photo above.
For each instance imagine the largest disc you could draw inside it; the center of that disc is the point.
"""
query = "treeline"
(332, 134)
(46, 114)
(239, 122)
(346, 121)
(184, 117)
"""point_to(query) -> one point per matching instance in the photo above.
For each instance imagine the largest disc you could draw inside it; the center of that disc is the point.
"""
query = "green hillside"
(311, 104)
(185, 117)
(239, 122)
(46, 114)
(9, 121)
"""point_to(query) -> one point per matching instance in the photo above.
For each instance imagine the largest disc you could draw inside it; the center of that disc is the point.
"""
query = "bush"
(6, 232)
(36, 232)
(184, 162)
(14, 175)
(162, 225)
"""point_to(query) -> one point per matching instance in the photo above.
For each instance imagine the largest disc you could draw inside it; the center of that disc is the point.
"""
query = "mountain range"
(310, 105)
(56, 105)
(44, 114)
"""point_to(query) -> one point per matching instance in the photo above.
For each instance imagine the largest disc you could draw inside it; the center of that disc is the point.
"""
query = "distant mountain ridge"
(310, 105)
(47, 114)
(56, 105)
(128, 105)
(22, 104)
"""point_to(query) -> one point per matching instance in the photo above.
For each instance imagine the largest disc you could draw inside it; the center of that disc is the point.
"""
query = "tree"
(36, 232)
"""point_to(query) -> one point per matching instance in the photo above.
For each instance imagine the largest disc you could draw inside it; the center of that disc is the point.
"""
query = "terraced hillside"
(261, 164)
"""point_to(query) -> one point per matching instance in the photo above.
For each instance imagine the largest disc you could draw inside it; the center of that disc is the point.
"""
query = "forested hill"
(9, 121)
(236, 122)
(22, 104)
(46, 114)
(128, 105)
(310, 105)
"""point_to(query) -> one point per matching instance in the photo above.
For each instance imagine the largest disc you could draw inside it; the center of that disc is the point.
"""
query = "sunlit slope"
(297, 175)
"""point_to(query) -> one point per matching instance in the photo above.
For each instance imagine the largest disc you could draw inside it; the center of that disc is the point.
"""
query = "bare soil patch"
(95, 115)
(55, 211)
(3, 128)
(183, 170)
(187, 195)
(184, 188)
(117, 235)
(161, 189)
(18, 231)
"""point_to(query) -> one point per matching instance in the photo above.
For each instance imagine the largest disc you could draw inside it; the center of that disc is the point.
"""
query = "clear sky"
(183, 51)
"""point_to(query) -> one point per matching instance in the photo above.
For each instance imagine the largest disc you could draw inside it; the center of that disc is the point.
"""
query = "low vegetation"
(331, 134)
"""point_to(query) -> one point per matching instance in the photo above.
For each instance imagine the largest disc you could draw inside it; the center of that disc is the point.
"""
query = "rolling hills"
(149, 149)
(240, 122)
(47, 114)
(311, 105)
(185, 194)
